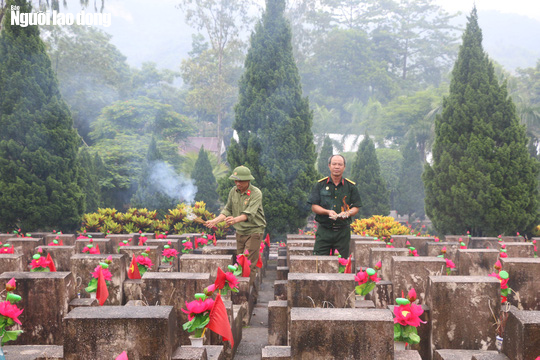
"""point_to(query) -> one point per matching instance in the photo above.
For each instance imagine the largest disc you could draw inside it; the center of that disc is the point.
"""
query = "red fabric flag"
(61, 243)
(348, 267)
(196, 242)
(259, 262)
(214, 240)
(97, 249)
(102, 292)
(133, 271)
(246, 271)
(267, 240)
(219, 321)
(51, 263)
(122, 356)
(220, 279)
(141, 243)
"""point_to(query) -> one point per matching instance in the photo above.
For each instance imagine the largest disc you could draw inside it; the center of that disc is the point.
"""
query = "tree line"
(377, 70)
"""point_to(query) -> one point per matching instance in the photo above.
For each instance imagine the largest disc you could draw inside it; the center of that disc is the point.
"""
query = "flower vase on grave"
(399, 345)
(226, 296)
(360, 297)
(2, 357)
(93, 295)
(196, 341)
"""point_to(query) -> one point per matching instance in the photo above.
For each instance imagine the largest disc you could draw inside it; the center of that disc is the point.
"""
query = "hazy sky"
(530, 8)
(155, 31)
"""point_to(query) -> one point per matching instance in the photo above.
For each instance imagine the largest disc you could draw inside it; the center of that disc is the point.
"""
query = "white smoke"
(164, 179)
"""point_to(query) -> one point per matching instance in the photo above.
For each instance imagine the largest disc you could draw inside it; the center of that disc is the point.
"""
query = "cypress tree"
(327, 150)
(410, 185)
(482, 178)
(38, 145)
(149, 194)
(89, 181)
(366, 173)
(205, 182)
(273, 122)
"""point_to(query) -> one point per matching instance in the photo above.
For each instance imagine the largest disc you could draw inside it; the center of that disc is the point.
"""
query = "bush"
(379, 226)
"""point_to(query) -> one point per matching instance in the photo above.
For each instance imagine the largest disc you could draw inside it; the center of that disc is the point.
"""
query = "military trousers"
(329, 239)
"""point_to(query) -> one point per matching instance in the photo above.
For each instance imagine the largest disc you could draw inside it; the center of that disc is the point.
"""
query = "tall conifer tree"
(327, 150)
(273, 122)
(205, 182)
(38, 145)
(89, 180)
(366, 173)
(410, 186)
(483, 179)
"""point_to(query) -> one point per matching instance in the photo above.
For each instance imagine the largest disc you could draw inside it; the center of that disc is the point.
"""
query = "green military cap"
(241, 173)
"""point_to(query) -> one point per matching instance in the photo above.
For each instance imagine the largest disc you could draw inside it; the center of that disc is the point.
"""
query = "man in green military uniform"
(244, 211)
(334, 200)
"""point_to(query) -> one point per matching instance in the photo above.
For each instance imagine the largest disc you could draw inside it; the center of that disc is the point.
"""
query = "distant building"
(194, 143)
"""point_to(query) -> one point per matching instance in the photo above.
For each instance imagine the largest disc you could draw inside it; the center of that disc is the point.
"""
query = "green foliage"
(89, 180)
(91, 72)
(205, 182)
(327, 150)
(149, 194)
(371, 185)
(122, 135)
(273, 122)
(410, 186)
(38, 145)
(390, 164)
(482, 179)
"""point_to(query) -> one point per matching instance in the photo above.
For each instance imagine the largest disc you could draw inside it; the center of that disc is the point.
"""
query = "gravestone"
(45, 300)
(144, 332)
(413, 272)
(320, 290)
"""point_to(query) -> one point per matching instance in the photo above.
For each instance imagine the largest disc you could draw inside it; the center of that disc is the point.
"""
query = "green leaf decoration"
(11, 336)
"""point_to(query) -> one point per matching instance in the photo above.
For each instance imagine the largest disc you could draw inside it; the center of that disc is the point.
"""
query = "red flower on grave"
(362, 277)
(231, 280)
(503, 255)
(11, 285)
(408, 315)
(411, 296)
(498, 265)
(188, 245)
(11, 311)
(106, 273)
(82, 237)
(168, 253)
(197, 307)
(378, 266)
(342, 261)
(450, 264)
(41, 262)
(144, 260)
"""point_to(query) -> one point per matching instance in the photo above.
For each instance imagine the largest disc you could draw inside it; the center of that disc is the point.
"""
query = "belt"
(335, 228)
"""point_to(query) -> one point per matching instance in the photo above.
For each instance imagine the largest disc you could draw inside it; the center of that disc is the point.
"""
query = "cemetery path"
(255, 336)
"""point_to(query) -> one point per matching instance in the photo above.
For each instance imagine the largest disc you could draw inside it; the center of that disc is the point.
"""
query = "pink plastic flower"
(450, 264)
(231, 280)
(82, 237)
(498, 265)
(362, 277)
(106, 273)
(41, 262)
(503, 255)
(9, 310)
(378, 266)
(144, 260)
(169, 253)
(11, 285)
(343, 262)
(411, 296)
(197, 307)
(408, 315)
(188, 245)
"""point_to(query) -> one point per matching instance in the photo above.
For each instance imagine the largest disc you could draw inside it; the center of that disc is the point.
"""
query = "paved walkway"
(255, 336)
